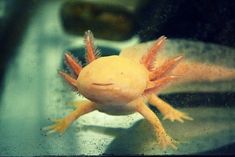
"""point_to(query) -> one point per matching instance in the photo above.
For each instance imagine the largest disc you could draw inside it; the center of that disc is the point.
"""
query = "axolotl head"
(112, 79)
(118, 79)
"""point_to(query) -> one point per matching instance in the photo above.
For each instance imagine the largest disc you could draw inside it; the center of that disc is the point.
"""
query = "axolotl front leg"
(164, 140)
(82, 108)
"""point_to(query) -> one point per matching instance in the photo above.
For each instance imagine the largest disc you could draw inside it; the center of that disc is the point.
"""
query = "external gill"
(91, 55)
(75, 67)
(165, 69)
(158, 77)
(92, 52)
(149, 59)
(157, 84)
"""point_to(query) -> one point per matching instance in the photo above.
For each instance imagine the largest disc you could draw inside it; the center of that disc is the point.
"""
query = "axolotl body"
(119, 85)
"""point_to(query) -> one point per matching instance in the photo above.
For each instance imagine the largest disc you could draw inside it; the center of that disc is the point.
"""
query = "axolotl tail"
(194, 71)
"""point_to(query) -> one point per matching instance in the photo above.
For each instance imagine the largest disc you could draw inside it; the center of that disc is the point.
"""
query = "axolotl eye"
(112, 79)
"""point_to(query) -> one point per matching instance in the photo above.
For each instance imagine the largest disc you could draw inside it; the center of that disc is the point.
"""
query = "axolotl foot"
(166, 141)
(60, 125)
(177, 115)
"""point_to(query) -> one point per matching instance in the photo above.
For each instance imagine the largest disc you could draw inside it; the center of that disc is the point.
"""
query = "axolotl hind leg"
(61, 125)
(167, 110)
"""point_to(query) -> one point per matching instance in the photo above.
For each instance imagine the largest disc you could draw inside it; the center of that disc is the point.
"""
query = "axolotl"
(124, 84)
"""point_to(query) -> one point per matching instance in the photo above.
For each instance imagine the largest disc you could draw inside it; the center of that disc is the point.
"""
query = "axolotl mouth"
(107, 93)
(104, 86)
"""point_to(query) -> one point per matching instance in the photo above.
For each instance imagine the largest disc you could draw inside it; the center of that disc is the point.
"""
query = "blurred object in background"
(111, 20)
(202, 20)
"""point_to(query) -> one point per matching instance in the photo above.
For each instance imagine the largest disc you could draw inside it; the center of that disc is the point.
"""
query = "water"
(33, 93)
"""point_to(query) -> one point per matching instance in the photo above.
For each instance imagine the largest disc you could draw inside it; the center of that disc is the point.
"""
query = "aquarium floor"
(98, 133)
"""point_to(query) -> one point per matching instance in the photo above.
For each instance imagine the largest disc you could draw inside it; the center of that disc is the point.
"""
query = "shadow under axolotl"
(196, 137)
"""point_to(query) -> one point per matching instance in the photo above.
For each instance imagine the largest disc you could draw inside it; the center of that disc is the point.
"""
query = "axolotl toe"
(118, 85)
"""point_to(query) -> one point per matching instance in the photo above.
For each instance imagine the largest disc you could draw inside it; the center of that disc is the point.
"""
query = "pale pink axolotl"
(118, 85)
